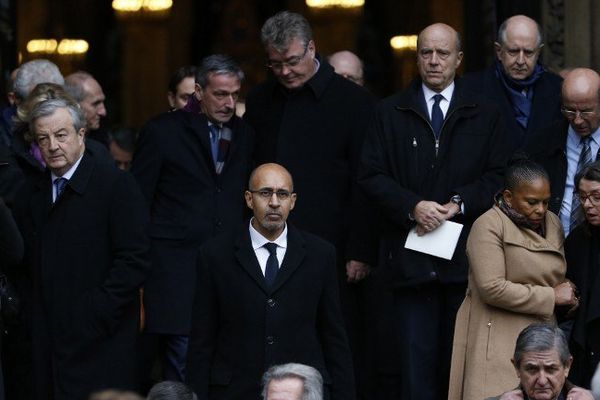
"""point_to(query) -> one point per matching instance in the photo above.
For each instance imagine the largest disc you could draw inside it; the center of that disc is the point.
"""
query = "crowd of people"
(223, 253)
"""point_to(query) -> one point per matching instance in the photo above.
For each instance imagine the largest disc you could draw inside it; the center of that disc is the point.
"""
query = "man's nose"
(521, 57)
(102, 110)
(274, 200)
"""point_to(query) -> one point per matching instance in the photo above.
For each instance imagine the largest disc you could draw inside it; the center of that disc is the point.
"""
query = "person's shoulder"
(551, 78)
(225, 242)
(311, 241)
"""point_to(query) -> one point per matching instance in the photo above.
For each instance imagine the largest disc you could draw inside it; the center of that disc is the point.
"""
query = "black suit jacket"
(88, 253)
(548, 148)
(241, 327)
(545, 107)
(189, 203)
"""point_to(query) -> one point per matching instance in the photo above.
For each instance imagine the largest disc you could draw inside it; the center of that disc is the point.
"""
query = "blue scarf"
(521, 103)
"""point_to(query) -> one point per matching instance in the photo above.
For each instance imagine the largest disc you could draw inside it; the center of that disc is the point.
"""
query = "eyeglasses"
(44, 140)
(593, 197)
(572, 114)
(290, 63)
(268, 193)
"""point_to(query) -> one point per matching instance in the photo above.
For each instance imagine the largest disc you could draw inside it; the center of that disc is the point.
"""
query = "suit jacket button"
(218, 190)
(270, 340)
(271, 302)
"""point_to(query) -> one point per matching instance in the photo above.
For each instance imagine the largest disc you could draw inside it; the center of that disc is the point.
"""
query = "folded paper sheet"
(440, 243)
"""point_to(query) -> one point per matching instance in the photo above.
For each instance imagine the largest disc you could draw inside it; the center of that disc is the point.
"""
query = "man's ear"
(248, 198)
(512, 361)
(198, 92)
(497, 49)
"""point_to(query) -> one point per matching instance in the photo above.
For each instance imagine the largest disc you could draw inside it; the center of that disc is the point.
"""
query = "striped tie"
(584, 159)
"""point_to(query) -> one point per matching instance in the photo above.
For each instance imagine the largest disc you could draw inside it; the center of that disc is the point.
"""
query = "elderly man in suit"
(527, 94)
(416, 171)
(264, 296)
(192, 167)
(542, 362)
(83, 224)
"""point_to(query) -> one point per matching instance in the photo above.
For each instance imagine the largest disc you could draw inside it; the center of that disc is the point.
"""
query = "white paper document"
(440, 243)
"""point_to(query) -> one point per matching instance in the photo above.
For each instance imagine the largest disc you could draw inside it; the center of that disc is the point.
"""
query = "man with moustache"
(192, 168)
(266, 295)
(526, 93)
(566, 146)
(434, 153)
(312, 121)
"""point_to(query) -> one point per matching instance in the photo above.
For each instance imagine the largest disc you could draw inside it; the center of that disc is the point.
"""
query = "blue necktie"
(60, 184)
(272, 264)
(214, 141)
(437, 117)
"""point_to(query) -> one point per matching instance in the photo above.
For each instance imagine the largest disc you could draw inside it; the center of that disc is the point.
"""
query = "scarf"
(518, 219)
(521, 103)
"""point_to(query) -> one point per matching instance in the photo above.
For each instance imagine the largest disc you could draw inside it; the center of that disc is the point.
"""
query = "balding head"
(88, 93)
(438, 56)
(348, 65)
(271, 197)
(518, 46)
(581, 100)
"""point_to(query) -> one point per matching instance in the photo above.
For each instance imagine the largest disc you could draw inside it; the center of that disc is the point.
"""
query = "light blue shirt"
(574, 147)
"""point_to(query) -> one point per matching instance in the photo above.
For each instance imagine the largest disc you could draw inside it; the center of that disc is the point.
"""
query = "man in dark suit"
(434, 153)
(566, 146)
(264, 296)
(312, 121)
(192, 168)
(527, 94)
(83, 225)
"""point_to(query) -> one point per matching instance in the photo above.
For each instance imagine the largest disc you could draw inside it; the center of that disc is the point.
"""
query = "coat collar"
(530, 240)
(294, 255)
(317, 84)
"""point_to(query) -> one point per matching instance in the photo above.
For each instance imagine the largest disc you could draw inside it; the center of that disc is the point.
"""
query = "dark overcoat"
(241, 327)
(89, 255)
(189, 203)
(582, 249)
(317, 133)
(548, 147)
(404, 164)
(545, 105)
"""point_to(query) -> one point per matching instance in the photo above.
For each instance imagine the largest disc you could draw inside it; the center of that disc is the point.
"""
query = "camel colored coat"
(511, 278)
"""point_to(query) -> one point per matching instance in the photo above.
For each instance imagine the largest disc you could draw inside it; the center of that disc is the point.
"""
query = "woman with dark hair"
(582, 249)
(516, 277)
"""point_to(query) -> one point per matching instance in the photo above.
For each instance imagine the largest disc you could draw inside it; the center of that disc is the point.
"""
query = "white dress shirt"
(444, 103)
(262, 254)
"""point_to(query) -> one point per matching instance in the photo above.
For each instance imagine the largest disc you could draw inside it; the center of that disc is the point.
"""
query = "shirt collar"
(67, 175)
(575, 138)
(447, 92)
(258, 240)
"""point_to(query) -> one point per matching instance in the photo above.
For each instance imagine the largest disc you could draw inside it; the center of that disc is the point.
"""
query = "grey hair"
(33, 73)
(285, 26)
(502, 32)
(49, 107)
(74, 85)
(217, 64)
(540, 337)
(311, 378)
(171, 390)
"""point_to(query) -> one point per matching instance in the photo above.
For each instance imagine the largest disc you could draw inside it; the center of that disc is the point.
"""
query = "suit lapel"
(294, 255)
(198, 125)
(247, 259)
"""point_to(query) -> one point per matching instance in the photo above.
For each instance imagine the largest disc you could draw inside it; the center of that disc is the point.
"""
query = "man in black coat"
(559, 147)
(434, 153)
(192, 168)
(264, 296)
(527, 94)
(312, 121)
(83, 224)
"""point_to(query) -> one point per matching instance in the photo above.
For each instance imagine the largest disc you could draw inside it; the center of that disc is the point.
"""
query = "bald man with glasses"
(567, 146)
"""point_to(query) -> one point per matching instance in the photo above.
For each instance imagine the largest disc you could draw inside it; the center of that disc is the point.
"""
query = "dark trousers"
(425, 317)
(162, 357)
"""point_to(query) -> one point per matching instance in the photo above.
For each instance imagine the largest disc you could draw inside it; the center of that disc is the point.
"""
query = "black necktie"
(272, 263)
(437, 117)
